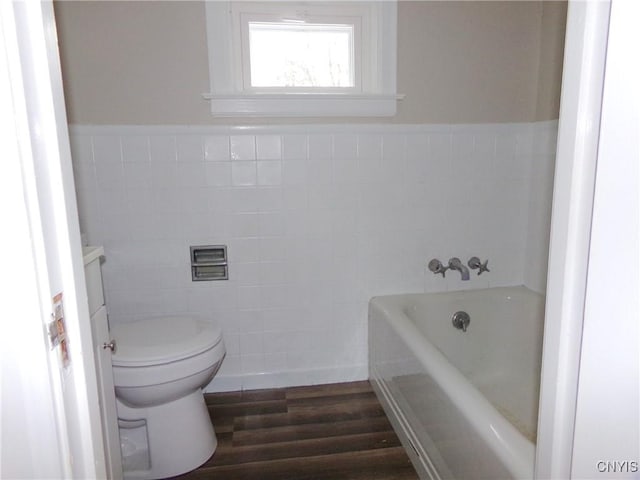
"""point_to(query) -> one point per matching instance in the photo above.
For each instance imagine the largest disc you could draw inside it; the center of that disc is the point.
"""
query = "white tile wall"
(317, 219)
(540, 184)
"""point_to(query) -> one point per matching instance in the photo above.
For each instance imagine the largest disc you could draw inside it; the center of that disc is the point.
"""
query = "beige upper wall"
(554, 20)
(458, 62)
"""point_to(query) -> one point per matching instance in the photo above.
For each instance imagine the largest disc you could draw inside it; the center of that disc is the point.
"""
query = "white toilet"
(160, 366)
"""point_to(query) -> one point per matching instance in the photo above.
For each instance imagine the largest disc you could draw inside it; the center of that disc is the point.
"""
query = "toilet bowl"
(160, 366)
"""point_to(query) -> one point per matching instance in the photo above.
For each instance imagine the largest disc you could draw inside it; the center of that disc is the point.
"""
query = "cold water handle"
(475, 263)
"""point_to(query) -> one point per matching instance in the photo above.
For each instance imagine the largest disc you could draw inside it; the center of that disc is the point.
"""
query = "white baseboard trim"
(292, 378)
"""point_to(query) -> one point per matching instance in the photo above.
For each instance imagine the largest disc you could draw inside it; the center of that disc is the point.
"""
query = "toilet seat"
(160, 340)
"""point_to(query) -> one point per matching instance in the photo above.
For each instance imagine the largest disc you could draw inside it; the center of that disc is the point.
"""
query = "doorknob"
(111, 346)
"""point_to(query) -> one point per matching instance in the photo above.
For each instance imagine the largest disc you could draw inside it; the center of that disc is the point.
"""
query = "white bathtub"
(465, 404)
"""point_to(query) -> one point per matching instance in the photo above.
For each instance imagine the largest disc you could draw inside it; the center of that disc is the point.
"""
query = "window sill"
(303, 105)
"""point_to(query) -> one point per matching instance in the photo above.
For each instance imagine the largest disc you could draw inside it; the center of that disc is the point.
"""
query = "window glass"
(301, 55)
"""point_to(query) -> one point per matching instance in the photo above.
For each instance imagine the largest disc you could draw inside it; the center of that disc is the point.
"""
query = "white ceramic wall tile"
(319, 171)
(189, 148)
(242, 147)
(243, 174)
(345, 146)
(294, 172)
(540, 191)
(84, 175)
(162, 148)
(135, 149)
(320, 147)
(269, 172)
(317, 220)
(243, 200)
(440, 149)
(81, 149)
(370, 146)
(269, 199)
(163, 174)
(137, 175)
(345, 170)
(216, 148)
(106, 149)
(269, 147)
(218, 174)
(110, 175)
(295, 147)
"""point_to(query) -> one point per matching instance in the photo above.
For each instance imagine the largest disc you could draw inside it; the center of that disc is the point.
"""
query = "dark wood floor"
(324, 432)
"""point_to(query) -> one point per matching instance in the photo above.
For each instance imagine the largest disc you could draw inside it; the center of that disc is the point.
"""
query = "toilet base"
(179, 437)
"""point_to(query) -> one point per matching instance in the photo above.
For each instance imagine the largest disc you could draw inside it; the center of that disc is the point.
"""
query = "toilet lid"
(158, 340)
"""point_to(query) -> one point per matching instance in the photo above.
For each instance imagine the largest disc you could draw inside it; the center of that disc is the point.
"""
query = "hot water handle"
(436, 267)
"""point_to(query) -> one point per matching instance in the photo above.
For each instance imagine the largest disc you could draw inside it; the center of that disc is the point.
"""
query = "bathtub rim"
(509, 445)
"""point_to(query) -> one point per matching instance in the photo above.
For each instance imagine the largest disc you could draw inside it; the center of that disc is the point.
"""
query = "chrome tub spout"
(456, 264)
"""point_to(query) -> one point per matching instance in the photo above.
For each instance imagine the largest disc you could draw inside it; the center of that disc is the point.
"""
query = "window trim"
(228, 98)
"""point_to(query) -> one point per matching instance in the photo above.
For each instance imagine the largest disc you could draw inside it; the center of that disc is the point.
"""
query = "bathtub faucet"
(456, 264)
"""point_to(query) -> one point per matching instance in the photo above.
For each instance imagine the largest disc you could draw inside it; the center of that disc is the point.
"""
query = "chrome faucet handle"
(475, 263)
(483, 267)
(461, 320)
(436, 267)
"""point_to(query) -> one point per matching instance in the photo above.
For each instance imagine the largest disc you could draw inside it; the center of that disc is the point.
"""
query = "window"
(299, 56)
(302, 59)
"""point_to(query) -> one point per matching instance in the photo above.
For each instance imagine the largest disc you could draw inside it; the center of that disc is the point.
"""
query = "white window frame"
(375, 94)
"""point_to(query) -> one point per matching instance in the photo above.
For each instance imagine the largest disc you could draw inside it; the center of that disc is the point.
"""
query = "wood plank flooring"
(323, 432)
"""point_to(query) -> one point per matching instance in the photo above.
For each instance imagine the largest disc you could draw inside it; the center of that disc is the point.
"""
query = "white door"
(589, 419)
(50, 413)
(607, 431)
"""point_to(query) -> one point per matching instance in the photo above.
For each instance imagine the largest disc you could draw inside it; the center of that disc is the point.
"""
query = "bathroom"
(318, 214)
